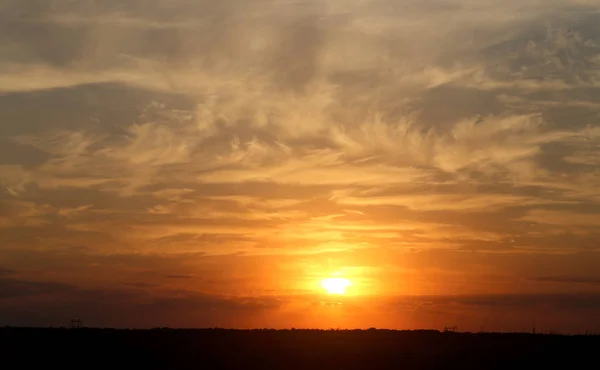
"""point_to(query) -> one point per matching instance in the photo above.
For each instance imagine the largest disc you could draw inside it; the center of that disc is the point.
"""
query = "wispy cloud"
(568, 279)
(555, 217)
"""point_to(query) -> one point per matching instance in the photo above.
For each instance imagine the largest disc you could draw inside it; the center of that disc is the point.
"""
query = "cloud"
(563, 218)
(452, 202)
(12, 288)
(6, 271)
(568, 279)
(23, 213)
(97, 307)
(508, 301)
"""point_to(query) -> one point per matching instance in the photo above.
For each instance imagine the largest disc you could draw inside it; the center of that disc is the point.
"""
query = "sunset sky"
(200, 163)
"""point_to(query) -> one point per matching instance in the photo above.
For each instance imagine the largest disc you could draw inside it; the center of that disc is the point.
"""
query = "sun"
(335, 285)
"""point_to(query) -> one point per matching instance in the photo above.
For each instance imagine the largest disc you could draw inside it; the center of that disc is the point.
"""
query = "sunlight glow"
(335, 285)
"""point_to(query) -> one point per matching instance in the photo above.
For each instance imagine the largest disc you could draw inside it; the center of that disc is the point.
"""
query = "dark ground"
(291, 349)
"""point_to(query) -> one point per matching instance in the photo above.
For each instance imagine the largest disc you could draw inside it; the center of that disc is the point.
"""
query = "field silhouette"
(292, 349)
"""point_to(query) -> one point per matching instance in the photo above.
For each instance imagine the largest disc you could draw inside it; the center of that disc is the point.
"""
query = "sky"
(207, 163)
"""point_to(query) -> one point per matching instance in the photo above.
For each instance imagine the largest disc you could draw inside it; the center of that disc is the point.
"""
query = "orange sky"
(208, 163)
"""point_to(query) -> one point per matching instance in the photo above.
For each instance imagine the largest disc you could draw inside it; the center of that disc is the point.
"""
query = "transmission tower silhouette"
(449, 329)
(75, 323)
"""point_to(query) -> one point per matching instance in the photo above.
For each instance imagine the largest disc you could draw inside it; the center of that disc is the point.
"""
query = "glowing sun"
(335, 285)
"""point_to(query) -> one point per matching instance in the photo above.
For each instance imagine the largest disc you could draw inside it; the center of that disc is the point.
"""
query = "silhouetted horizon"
(161, 348)
(448, 331)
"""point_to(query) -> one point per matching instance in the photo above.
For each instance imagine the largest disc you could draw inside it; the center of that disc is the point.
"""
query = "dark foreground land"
(291, 349)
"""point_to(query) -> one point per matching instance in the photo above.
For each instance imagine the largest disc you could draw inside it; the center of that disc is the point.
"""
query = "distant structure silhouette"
(449, 329)
(75, 323)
